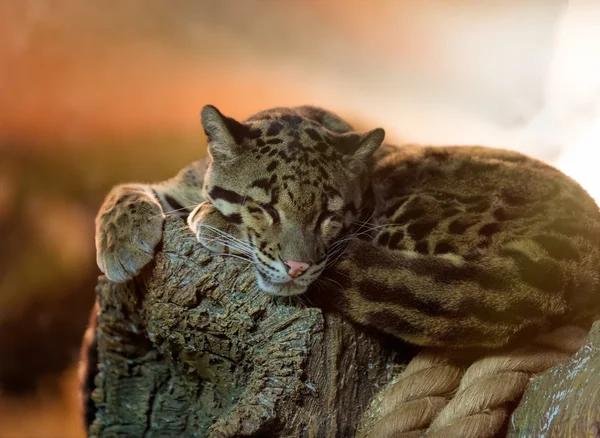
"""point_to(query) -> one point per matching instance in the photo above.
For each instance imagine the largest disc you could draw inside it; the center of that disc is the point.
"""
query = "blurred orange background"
(94, 93)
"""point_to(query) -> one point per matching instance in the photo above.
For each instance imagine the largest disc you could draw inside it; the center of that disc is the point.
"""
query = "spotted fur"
(302, 187)
(476, 247)
(439, 246)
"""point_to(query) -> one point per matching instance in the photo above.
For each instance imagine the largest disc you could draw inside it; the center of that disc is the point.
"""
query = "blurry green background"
(95, 93)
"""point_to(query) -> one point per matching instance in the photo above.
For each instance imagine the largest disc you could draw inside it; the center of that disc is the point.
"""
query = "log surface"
(193, 348)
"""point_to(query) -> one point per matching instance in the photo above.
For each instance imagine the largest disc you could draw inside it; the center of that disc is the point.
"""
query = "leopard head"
(293, 180)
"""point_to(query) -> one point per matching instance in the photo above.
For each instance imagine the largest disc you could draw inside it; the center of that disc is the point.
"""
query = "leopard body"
(456, 247)
(461, 246)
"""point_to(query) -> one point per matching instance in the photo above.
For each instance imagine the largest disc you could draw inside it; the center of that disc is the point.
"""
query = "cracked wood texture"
(193, 348)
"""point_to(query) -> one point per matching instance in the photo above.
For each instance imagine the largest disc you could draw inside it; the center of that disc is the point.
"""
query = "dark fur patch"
(445, 272)
(292, 121)
(234, 218)
(173, 203)
(443, 247)
(254, 133)
(230, 196)
(558, 248)
(567, 227)
(389, 322)
(500, 214)
(396, 239)
(459, 226)
(420, 229)
(490, 229)
(401, 295)
(466, 336)
(321, 147)
(383, 238)
(422, 247)
(334, 297)
(238, 131)
(312, 133)
(274, 128)
(323, 172)
(264, 183)
(272, 166)
(544, 275)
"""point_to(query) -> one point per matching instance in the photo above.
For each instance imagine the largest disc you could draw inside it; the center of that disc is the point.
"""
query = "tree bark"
(193, 348)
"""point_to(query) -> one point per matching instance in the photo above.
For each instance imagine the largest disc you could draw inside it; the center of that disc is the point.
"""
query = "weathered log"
(193, 348)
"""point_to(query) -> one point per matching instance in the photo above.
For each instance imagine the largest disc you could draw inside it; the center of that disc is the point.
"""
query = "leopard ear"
(224, 133)
(361, 146)
(369, 143)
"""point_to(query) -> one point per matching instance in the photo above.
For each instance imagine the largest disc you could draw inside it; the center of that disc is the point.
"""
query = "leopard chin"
(287, 289)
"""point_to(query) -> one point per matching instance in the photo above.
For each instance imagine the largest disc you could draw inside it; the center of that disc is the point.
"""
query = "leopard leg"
(215, 232)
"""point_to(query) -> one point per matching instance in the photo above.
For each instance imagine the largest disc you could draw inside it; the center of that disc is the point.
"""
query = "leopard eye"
(271, 212)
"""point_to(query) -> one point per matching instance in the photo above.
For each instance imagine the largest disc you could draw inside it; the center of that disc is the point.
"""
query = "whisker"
(250, 262)
(335, 282)
(334, 260)
(185, 227)
(227, 244)
(303, 297)
(188, 199)
(170, 211)
(224, 233)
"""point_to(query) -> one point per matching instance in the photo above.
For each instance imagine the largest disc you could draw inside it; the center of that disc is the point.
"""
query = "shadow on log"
(193, 348)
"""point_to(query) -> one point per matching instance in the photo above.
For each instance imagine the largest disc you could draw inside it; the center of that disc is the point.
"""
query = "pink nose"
(296, 268)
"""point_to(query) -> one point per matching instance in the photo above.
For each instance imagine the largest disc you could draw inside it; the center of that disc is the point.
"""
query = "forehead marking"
(312, 133)
(230, 196)
(274, 128)
(321, 147)
(292, 121)
(264, 183)
(253, 133)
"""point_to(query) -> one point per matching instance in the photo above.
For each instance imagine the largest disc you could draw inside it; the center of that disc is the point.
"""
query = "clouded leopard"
(438, 246)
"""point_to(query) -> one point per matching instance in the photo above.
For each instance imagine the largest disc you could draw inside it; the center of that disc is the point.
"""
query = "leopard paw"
(128, 228)
(215, 232)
